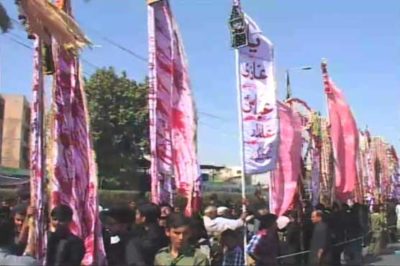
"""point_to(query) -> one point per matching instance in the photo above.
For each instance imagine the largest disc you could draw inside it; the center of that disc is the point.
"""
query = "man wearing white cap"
(216, 225)
(222, 211)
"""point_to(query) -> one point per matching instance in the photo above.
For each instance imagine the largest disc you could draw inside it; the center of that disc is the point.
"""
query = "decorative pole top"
(324, 65)
(149, 2)
(238, 26)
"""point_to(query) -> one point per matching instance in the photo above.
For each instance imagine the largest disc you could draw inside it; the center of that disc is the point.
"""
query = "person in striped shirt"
(264, 246)
(233, 252)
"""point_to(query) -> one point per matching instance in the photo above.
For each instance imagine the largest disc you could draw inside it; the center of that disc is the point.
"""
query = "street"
(389, 257)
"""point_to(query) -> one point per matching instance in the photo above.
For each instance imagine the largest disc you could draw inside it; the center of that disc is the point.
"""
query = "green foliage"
(117, 197)
(5, 21)
(119, 123)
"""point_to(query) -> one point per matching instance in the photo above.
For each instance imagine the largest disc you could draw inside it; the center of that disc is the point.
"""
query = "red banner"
(344, 135)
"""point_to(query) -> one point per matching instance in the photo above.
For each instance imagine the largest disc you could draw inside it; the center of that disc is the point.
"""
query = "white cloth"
(398, 216)
(282, 222)
(218, 225)
(12, 260)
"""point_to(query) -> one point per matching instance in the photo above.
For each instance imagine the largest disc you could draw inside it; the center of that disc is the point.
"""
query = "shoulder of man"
(199, 254)
(162, 252)
(162, 256)
(75, 239)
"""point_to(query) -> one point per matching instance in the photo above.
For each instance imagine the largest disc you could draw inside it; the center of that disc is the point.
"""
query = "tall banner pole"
(242, 167)
(240, 119)
(239, 39)
(324, 63)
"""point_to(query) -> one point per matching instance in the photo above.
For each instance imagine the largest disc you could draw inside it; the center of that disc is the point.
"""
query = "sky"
(360, 39)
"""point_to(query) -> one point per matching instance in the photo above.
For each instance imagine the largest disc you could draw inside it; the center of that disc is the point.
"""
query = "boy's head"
(229, 239)
(178, 230)
(117, 220)
(317, 216)
(268, 221)
(19, 214)
(166, 210)
(147, 213)
(61, 217)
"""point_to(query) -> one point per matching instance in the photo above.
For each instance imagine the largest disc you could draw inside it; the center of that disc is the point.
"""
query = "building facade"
(1, 123)
(15, 132)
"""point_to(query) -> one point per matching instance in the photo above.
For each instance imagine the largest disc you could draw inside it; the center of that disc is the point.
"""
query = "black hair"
(319, 213)
(62, 213)
(120, 214)
(198, 229)
(229, 234)
(20, 209)
(150, 211)
(267, 220)
(6, 231)
(176, 220)
(180, 202)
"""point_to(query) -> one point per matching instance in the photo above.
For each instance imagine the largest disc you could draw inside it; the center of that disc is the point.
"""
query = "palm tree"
(5, 21)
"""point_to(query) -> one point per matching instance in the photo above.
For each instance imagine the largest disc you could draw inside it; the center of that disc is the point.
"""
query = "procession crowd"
(142, 233)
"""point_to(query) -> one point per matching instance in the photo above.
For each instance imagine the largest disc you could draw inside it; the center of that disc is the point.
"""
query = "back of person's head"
(230, 238)
(20, 209)
(180, 203)
(62, 213)
(6, 230)
(150, 211)
(198, 229)
(123, 215)
(176, 220)
(267, 220)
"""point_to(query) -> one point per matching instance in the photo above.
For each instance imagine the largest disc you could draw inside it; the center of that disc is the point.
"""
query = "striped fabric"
(172, 113)
(233, 257)
(73, 172)
(37, 232)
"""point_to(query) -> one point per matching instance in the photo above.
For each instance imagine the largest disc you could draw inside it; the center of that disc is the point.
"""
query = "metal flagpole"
(324, 63)
(239, 39)
(241, 145)
(240, 122)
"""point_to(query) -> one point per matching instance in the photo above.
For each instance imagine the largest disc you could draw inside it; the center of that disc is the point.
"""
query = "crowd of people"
(143, 233)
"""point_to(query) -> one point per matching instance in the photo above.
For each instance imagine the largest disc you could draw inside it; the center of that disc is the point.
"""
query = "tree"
(5, 21)
(119, 124)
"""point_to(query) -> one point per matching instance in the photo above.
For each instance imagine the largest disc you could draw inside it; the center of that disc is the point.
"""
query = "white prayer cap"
(221, 210)
(210, 209)
(282, 222)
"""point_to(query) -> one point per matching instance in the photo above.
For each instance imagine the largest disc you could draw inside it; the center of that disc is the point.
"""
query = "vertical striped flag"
(344, 135)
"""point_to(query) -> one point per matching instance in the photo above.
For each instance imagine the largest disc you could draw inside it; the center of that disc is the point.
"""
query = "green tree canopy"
(5, 21)
(119, 123)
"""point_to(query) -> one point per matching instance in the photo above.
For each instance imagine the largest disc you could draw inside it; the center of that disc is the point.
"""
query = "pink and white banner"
(37, 234)
(73, 171)
(172, 112)
(258, 102)
(344, 135)
(285, 178)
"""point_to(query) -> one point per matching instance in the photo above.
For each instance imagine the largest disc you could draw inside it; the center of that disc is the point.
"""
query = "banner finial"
(324, 65)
